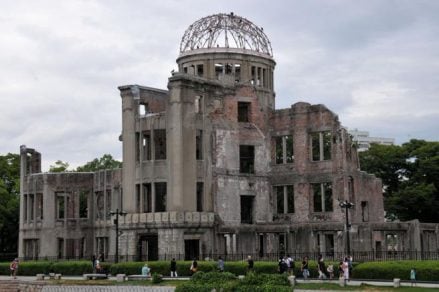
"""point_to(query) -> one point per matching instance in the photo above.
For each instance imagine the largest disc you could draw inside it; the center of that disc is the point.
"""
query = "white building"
(363, 139)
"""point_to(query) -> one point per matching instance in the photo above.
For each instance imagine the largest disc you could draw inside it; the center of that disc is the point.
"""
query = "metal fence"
(358, 256)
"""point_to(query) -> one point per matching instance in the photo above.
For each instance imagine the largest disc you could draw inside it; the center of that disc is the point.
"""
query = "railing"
(357, 256)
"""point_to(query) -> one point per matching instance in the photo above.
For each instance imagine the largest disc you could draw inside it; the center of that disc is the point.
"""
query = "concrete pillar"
(234, 243)
(181, 146)
(396, 283)
(129, 114)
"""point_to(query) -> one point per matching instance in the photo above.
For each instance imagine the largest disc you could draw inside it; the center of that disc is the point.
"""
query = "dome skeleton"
(225, 31)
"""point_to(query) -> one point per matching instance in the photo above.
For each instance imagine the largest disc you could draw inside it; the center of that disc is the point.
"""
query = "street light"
(347, 205)
(116, 221)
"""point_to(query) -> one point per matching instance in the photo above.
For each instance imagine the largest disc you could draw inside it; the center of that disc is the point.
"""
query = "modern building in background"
(363, 140)
(210, 167)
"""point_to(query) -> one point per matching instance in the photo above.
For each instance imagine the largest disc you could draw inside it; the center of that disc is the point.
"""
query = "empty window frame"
(244, 112)
(200, 196)
(108, 205)
(83, 204)
(219, 70)
(200, 70)
(147, 198)
(199, 144)
(322, 193)
(39, 215)
(31, 204)
(143, 108)
(247, 209)
(284, 199)
(284, 149)
(102, 245)
(60, 206)
(160, 196)
(246, 159)
(100, 205)
(253, 75)
(228, 69)
(237, 72)
(321, 146)
(25, 207)
(60, 248)
(160, 144)
(364, 211)
(146, 145)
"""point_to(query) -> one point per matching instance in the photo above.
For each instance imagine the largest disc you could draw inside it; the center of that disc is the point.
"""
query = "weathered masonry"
(211, 167)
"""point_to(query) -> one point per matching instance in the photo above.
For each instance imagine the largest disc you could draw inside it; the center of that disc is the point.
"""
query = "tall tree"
(60, 166)
(105, 162)
(410, 175)
(9, 201)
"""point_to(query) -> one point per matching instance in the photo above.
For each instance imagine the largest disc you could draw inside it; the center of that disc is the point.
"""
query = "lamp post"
(347, 205)
(116, 221)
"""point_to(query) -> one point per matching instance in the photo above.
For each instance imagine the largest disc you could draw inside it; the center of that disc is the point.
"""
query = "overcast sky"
(374, 63)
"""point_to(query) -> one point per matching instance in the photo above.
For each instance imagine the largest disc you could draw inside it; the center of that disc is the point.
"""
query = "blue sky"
(374, 63)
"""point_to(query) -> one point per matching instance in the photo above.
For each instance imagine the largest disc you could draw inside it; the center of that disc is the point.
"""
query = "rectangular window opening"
(147, 198)
(219, 68)
(244, 112)
(200, 196)
(160, 144)
(83, 204)
(237, 72)
(247, 209)
(200, 70)
(246, 159)
(199, 145)
(160, 197)
(60, 205)
(146, 145)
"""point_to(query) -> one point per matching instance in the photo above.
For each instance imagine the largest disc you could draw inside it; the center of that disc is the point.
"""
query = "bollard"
(396, 283)
(292, 280)
(40, 276)
(120, 277)
(58, 276)
(341, 282)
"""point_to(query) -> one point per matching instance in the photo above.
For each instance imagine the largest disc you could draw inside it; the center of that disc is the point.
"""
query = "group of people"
(286, 265)
(344, 268)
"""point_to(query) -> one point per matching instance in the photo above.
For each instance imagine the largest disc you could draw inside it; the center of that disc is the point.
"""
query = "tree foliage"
(105, 162)
(9, 201)
(60, 166)
(410, 175)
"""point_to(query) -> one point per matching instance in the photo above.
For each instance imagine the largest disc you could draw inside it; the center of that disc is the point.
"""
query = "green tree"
(105, 162)
(410, 175)
(60, 166)
(9, 201)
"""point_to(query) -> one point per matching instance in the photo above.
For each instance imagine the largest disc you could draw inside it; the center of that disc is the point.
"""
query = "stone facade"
(211, 167)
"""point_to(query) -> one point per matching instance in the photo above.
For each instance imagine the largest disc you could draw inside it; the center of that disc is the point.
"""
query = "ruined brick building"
(211, 167)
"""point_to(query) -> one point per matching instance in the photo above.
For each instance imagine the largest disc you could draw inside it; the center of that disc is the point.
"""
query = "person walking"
(220, 264)
(413, 277)
(93, 263)
(14, 268)
(345, 267)
(173, 268)
(305, 268)
(321, 268)
(290, 264)
(194, 267)
(250, 264)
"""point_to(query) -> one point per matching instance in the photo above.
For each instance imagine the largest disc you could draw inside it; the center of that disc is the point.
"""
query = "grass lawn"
(326, 286)
(173, 283)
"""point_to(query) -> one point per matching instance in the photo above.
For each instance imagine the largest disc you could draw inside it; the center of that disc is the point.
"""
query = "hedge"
(425, 270)
(228, 282)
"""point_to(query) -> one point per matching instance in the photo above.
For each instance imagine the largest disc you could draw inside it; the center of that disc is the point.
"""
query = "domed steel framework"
(225, 31)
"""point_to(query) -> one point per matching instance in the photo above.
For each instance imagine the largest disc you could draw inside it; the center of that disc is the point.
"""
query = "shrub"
(157, 278)
(213, 277)
(72, 267)
(425, 270)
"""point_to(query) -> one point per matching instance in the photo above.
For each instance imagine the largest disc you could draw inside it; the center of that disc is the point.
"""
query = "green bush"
(425, 270)
(254, 279)
(72, 268)
(156, 278)
(212, 277)
(32, 268)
